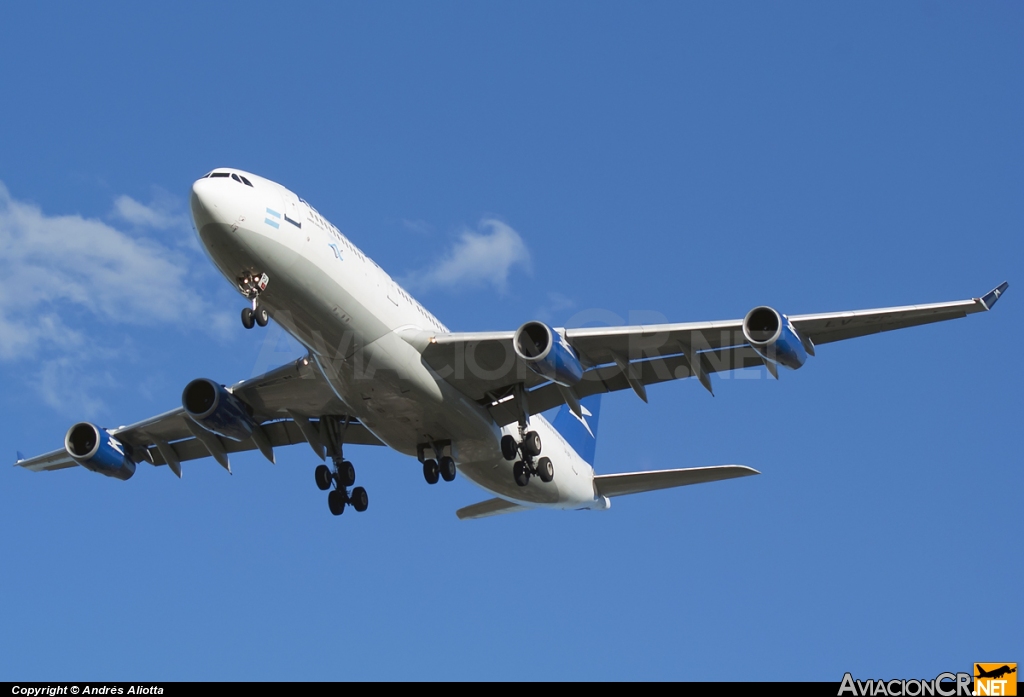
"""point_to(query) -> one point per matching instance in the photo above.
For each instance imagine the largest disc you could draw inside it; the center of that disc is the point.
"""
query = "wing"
(484, 365)
(293, 404)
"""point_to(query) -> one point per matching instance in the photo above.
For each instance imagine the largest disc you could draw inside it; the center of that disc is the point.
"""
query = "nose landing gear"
(251, 287)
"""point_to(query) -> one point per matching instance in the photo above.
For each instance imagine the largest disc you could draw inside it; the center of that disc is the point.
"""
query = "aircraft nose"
(203, 202)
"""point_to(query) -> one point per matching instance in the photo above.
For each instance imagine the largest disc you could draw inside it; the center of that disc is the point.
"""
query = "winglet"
(20, 456)
(990, 298)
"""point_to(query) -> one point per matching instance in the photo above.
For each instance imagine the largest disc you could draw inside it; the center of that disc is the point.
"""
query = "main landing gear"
(341, 475)
(251, 286)
(441, 468)
(529, 465)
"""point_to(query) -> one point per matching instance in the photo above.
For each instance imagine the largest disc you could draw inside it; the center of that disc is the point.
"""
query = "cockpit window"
(237, 177)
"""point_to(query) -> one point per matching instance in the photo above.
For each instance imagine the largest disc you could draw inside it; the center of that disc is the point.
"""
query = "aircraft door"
(292, 210)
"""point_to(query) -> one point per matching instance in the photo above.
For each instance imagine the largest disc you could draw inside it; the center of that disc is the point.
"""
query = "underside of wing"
(835, 326)
(491, 368)
(289, 405)
(56, 460)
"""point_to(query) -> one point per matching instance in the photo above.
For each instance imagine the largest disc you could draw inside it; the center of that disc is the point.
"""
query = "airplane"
(380, 369)
(995, 673)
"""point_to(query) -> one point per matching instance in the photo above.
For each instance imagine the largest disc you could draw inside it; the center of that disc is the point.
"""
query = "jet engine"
(96, 450)
(774, 337)
(218, 411)
(547, 353)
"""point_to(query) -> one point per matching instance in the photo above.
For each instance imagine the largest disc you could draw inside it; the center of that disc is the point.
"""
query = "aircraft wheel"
(431, 471)
(531, 444)
(346, 473)
(359, 499)
(545, 470)
(323, 477)
(247, 318)
(336, 501)
(447, 467)
(509, 448)
(261, 316)
(521, 473)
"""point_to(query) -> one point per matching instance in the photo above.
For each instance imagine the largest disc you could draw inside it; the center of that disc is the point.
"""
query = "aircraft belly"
(398, 398)
(380, 377)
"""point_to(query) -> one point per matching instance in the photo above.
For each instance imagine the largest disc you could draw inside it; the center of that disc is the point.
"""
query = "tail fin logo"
(583, 419)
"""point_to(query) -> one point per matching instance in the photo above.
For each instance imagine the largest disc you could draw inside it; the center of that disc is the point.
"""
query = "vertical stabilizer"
(580, 433)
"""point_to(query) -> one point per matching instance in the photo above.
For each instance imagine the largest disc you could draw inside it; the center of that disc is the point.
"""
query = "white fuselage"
(366, 335)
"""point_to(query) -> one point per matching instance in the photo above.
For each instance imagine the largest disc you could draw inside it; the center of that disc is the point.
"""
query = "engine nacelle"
(96, 450)
(774, 338)
(218, 411)
(547, 353)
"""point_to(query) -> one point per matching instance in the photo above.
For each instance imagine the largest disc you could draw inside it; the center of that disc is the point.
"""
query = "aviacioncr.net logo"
(943, 685)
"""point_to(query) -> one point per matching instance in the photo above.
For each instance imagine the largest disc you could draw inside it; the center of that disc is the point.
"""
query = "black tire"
(336, 501)
(431, 471)
(323, 477)
(447, 467)
(521, 473)
(509, 447)
(531, 444)
(247, 318)
(359, 499)
(261, 316)
(545, 470)
(347, 473)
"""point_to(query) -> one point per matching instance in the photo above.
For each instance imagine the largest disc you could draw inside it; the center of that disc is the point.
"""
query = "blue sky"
(685, 161)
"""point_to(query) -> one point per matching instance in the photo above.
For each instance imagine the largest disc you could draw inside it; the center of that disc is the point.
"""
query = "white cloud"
(556, 305)
(483, 257)
(61, 274)
(157, 215)
(420, 227)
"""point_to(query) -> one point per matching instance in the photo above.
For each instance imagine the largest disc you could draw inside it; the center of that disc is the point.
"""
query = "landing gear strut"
(251, 287)
(341, 475)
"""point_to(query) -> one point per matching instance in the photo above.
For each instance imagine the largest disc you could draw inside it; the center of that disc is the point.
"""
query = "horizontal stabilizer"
(485, 509)
(637, 482)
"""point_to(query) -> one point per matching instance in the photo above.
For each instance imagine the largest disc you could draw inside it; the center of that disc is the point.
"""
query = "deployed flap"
(611, 378)
(485, 509)
(637, 482)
